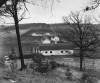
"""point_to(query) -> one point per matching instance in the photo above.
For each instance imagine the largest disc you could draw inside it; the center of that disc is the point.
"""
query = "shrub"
(13, 65)
(54, 64)
(86, 78)
(68, 73)
(41, 65)
(11, 73)
(8, 75)
(44, 67)
(2, 65)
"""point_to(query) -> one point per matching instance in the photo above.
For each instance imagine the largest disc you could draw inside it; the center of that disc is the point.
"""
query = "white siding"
(46, 41)
(57, 52)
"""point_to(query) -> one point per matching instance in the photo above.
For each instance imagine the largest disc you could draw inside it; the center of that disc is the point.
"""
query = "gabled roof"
(45, 37)
(37, 31)
(34, 38)
(59, 46)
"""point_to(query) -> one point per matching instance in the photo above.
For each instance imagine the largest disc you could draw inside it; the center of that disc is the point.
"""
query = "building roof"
(59, 46)
(37, 31)
(33, 38)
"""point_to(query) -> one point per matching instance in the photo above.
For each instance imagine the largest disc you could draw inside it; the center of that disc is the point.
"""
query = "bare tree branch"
(2, 2)
(81, 32)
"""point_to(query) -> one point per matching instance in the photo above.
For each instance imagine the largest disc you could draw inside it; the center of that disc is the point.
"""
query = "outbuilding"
(56, 49)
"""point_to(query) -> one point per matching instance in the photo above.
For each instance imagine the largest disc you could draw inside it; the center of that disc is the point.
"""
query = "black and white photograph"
(49, 41)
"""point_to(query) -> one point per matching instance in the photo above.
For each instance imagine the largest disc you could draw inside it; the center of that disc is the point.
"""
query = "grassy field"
(57, 75)
(54, 76)
(9, 40)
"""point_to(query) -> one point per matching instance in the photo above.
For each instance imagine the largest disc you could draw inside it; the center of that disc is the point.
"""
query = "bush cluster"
(41, 65)
(54, 64)
(2, 62)
(68, 73)
(86, 78)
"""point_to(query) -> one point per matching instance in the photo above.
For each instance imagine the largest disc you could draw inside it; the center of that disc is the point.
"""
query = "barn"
(56, 49)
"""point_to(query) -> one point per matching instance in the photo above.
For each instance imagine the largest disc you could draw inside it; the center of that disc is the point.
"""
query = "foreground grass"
(66, 74)
(27, 76)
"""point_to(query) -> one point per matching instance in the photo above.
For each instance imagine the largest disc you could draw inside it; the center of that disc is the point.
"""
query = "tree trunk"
(81, 60)
(19, 41)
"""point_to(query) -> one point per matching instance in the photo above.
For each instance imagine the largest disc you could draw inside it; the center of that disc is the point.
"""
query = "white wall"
(57, 52)
(46, 41)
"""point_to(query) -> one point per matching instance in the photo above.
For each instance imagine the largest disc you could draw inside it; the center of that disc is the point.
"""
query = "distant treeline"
(38, 25)
(26, 26)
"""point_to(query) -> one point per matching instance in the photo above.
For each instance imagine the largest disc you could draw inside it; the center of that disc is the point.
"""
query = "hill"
(55, 27)
(26, 26)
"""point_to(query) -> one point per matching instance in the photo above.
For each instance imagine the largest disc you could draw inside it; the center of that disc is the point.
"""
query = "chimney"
(55, 42)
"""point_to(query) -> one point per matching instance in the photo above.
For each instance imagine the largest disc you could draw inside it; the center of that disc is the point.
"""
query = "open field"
(9, 40)
(87, 63)
(56, 76)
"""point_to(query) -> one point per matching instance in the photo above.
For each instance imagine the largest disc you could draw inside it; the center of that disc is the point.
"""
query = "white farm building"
(56, 49)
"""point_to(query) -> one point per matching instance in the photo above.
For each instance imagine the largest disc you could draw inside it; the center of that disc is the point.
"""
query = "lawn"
(58, 75)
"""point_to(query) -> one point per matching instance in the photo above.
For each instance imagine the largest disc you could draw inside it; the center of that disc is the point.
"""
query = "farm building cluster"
(49, 43)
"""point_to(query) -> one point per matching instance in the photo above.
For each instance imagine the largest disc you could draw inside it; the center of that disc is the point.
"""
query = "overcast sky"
(40, 14)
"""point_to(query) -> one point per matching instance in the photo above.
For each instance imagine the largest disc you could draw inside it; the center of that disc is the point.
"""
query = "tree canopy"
(81, 32)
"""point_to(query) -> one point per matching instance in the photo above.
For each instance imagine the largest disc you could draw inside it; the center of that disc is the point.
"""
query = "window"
(66, 51)
(50, 51)
(46, 52)
(61, 51)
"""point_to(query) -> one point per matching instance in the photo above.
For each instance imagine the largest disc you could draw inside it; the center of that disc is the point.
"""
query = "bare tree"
(11, 9)
(95, 4)
(81, 32)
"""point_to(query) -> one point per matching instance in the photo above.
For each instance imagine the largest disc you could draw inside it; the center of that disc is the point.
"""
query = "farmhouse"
(43, 36)
(56, 49)
(45, 40)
